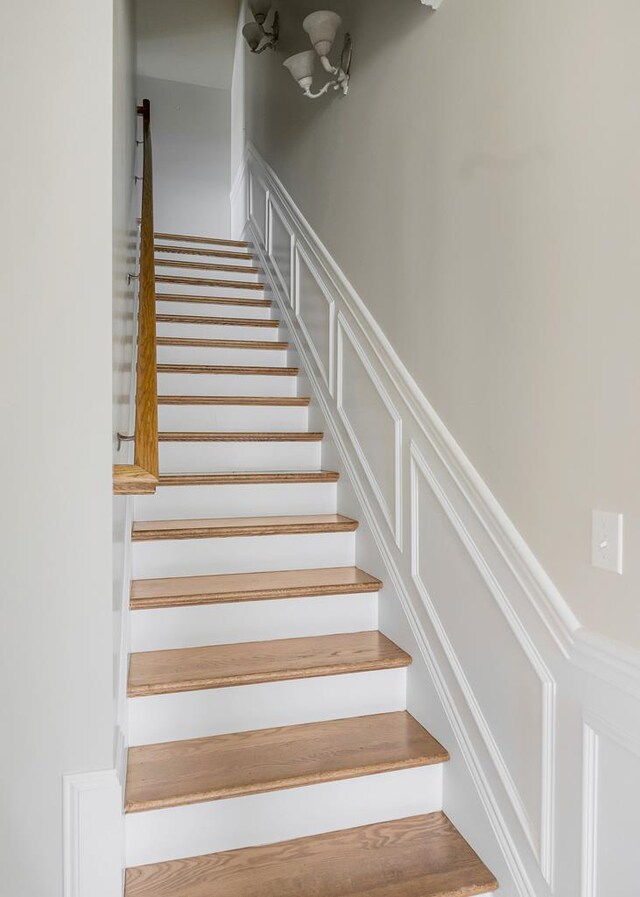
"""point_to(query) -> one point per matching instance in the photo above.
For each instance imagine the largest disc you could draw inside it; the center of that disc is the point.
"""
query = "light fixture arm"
(321, 27)
(327, 87)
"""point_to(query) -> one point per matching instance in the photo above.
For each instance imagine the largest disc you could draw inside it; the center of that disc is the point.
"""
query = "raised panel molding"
(391, 506)
(321, 339)
(540, 837)
(276, 221)
(258, 206)
(610, 820)
(529, 831)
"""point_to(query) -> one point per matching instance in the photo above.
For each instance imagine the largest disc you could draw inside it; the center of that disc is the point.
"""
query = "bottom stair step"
(423, 856)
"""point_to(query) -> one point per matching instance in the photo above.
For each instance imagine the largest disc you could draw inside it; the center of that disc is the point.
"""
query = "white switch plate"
(606, 541)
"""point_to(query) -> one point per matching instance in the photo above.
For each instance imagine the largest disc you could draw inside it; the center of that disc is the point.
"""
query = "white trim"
(499, 825)
(327, 374)
(271, 210)
(393, 518)
(93, 835)
(542, 593)
(541, 842)
(608, 660)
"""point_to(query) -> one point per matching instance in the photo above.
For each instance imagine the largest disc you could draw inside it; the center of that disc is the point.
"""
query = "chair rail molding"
(462, 586)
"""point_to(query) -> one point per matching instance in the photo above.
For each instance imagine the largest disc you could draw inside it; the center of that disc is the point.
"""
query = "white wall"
(479, 187)
(55, 406)
(191, 128)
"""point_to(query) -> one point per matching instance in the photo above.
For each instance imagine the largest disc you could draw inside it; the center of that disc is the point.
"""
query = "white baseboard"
(505, 652)
(93, 829)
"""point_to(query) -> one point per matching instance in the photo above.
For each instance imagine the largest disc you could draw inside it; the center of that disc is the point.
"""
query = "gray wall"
(55, 400)
(480, 187)
(191, 127)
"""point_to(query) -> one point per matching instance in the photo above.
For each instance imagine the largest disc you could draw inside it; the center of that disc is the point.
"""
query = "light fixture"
(322, 27)
(255, 34)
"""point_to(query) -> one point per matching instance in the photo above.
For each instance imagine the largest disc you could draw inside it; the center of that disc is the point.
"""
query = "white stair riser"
(205, 457)
(187, 289)
(219, 331)
(252, 554)
(233, 418)
(172, 271)
(159, 835)
(226, 385)
(181, 502)
(251, 621)
(212, 355)
(213, 310)
(200, 714)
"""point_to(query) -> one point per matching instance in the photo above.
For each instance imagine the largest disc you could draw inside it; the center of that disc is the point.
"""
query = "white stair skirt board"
(158, 835)
(232, 418)
(212, 309)
(190, 289)
(225, 385)
(218, 331)
(208, 457)
(182, 502)
(206, 274)
(221, 711)
(252, 554)
(252, 621)
(213, 355)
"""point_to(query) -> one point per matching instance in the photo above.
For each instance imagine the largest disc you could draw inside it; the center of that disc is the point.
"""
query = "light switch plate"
(606, 541)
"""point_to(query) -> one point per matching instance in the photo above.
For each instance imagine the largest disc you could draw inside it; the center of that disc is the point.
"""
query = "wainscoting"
(543, 717)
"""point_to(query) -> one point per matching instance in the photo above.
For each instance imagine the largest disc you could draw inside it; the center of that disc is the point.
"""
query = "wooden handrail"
(141, 477)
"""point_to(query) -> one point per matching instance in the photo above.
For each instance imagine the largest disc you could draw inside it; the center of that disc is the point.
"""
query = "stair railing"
(141, 477)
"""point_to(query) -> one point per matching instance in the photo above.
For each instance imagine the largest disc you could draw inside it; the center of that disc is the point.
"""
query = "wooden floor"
(423, 856)
(204, 769)
(224, 666)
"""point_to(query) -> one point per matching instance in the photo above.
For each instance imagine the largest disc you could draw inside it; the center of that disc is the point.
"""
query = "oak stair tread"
(220, 343)
(214, 241)
(249, 477)
(186, 591)
(223, 766)
(235, 370)
(223, 666)
(209, 253)
(421, 856)
(294, 401)
(241, 436)
(209, 282)
(220, 322)
(214, 300)
(228, 527)
(208, 266)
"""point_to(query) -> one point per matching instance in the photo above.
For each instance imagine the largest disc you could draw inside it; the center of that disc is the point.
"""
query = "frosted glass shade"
(260, 9)
(322, 27)
(253, 34)
(301, 67)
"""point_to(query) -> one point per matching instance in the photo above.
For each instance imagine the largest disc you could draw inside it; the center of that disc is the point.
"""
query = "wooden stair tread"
(249, 477)
(226, 527)
(184, 591)
(223, 766)
(220, 343)
(207, 282)
(207, 266)
(301, 401)
(223, 666)
(223, 322)
(233, 369)
(215, 241)
(422, 856)
(210, 253)
(213, 300)
(302, 436)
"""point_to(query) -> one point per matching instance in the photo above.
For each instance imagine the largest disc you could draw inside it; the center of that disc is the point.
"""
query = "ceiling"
(187, 40)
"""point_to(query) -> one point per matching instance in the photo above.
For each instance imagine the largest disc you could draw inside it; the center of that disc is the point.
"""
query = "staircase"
(271, 752)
